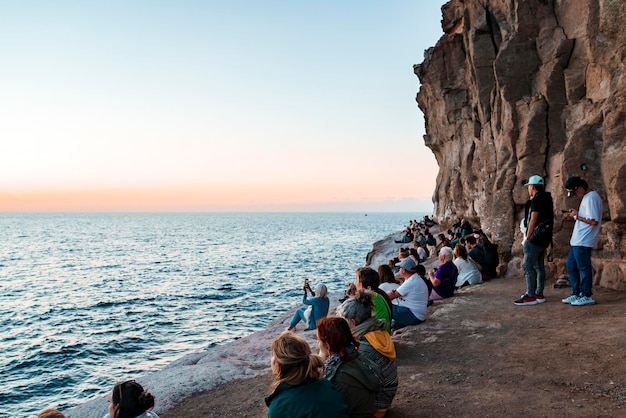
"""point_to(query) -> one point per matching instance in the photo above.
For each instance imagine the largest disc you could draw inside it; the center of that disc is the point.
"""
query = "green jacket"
(358, 380)
(310, 399)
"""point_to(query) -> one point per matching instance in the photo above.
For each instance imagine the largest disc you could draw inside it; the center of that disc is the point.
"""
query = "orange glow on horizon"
(253, 197)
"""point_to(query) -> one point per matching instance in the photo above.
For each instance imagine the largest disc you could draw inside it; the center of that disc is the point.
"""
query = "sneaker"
(569, 300)
(583, 300)
(526, 300)
(540, 298)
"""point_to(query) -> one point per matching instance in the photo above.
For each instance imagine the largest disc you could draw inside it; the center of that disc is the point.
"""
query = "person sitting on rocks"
(367, 278)
(387, 278)
(431, 243)
(456, 239)
(444, 277)
(299, 389)
(375, 344)
(392, 265)
(317, 309)
(358, 378)
(466, 228)
(477, 253)
(414, 255)
(412, 295)
(442, 241)
(406, 237)
(469, 273)
(428, 221)
(129, 399)
(421, 251)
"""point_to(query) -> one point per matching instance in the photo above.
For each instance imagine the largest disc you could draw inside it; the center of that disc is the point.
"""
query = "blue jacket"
(320, 309)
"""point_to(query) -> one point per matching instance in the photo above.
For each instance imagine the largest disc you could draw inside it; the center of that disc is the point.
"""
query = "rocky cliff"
(524, 87)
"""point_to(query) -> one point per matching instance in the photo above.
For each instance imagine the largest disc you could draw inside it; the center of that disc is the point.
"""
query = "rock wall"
(524, 87)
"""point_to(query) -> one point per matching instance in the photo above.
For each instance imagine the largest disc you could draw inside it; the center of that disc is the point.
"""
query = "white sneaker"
(583, 300)
(570, 300)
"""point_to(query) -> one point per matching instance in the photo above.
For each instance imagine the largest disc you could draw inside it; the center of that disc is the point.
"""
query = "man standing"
(414, 296)
(588, 221)
(539, 221)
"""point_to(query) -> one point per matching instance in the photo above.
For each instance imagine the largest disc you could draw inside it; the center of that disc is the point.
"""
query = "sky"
(214, 106)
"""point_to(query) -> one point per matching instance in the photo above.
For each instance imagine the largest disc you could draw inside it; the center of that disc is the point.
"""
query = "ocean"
(90, 299)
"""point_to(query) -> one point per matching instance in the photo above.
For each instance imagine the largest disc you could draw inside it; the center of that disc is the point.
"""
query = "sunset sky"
(214, 106)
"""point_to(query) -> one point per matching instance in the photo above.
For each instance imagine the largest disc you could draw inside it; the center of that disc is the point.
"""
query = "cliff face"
(524, 87)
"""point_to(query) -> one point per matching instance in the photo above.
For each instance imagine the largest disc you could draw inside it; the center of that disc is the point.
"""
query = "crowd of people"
(354, 374)
(356, 353)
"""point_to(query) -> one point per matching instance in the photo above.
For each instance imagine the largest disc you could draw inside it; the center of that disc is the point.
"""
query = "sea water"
(90, 299)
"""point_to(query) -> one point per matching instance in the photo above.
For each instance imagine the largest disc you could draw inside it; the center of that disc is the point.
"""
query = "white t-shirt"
(414, 294)
(388, 287)
(422, 253)
(585, 235)
(467, 272)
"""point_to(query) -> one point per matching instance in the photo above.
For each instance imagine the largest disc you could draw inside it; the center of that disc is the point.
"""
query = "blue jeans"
(579, 270)
(297, 317)
(534, 268)
(402, 316)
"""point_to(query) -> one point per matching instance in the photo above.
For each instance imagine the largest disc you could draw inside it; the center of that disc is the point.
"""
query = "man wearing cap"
(539, 213)
(413, 304)
(588, 221)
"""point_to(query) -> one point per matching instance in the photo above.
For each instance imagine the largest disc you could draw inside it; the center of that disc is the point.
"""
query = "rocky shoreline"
(476, 354)
(245, 358)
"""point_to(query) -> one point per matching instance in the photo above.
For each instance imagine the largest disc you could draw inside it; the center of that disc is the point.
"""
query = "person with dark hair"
(367, 278)
(406, 237)
(129, 400)
(392, 265)
(357, 377)
(466, 228)
(421, 251)
(50, 413)
(298, 388)
(476, 251)
(469, 272)
(539, 217)
(387, 278)
(587, 225)
(443, 241)
(317, 308)
(375, 344)
(412, 294)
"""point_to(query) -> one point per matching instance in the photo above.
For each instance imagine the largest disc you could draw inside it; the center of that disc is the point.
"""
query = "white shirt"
(414, 294)
(388, 287)
(585, 235)
(467, 272)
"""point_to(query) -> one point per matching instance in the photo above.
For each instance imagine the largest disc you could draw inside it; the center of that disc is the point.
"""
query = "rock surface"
(518, 88)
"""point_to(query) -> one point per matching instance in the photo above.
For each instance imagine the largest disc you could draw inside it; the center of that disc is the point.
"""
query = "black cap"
(573, 183)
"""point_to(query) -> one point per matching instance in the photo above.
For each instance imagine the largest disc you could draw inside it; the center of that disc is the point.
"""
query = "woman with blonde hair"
(299, 389)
